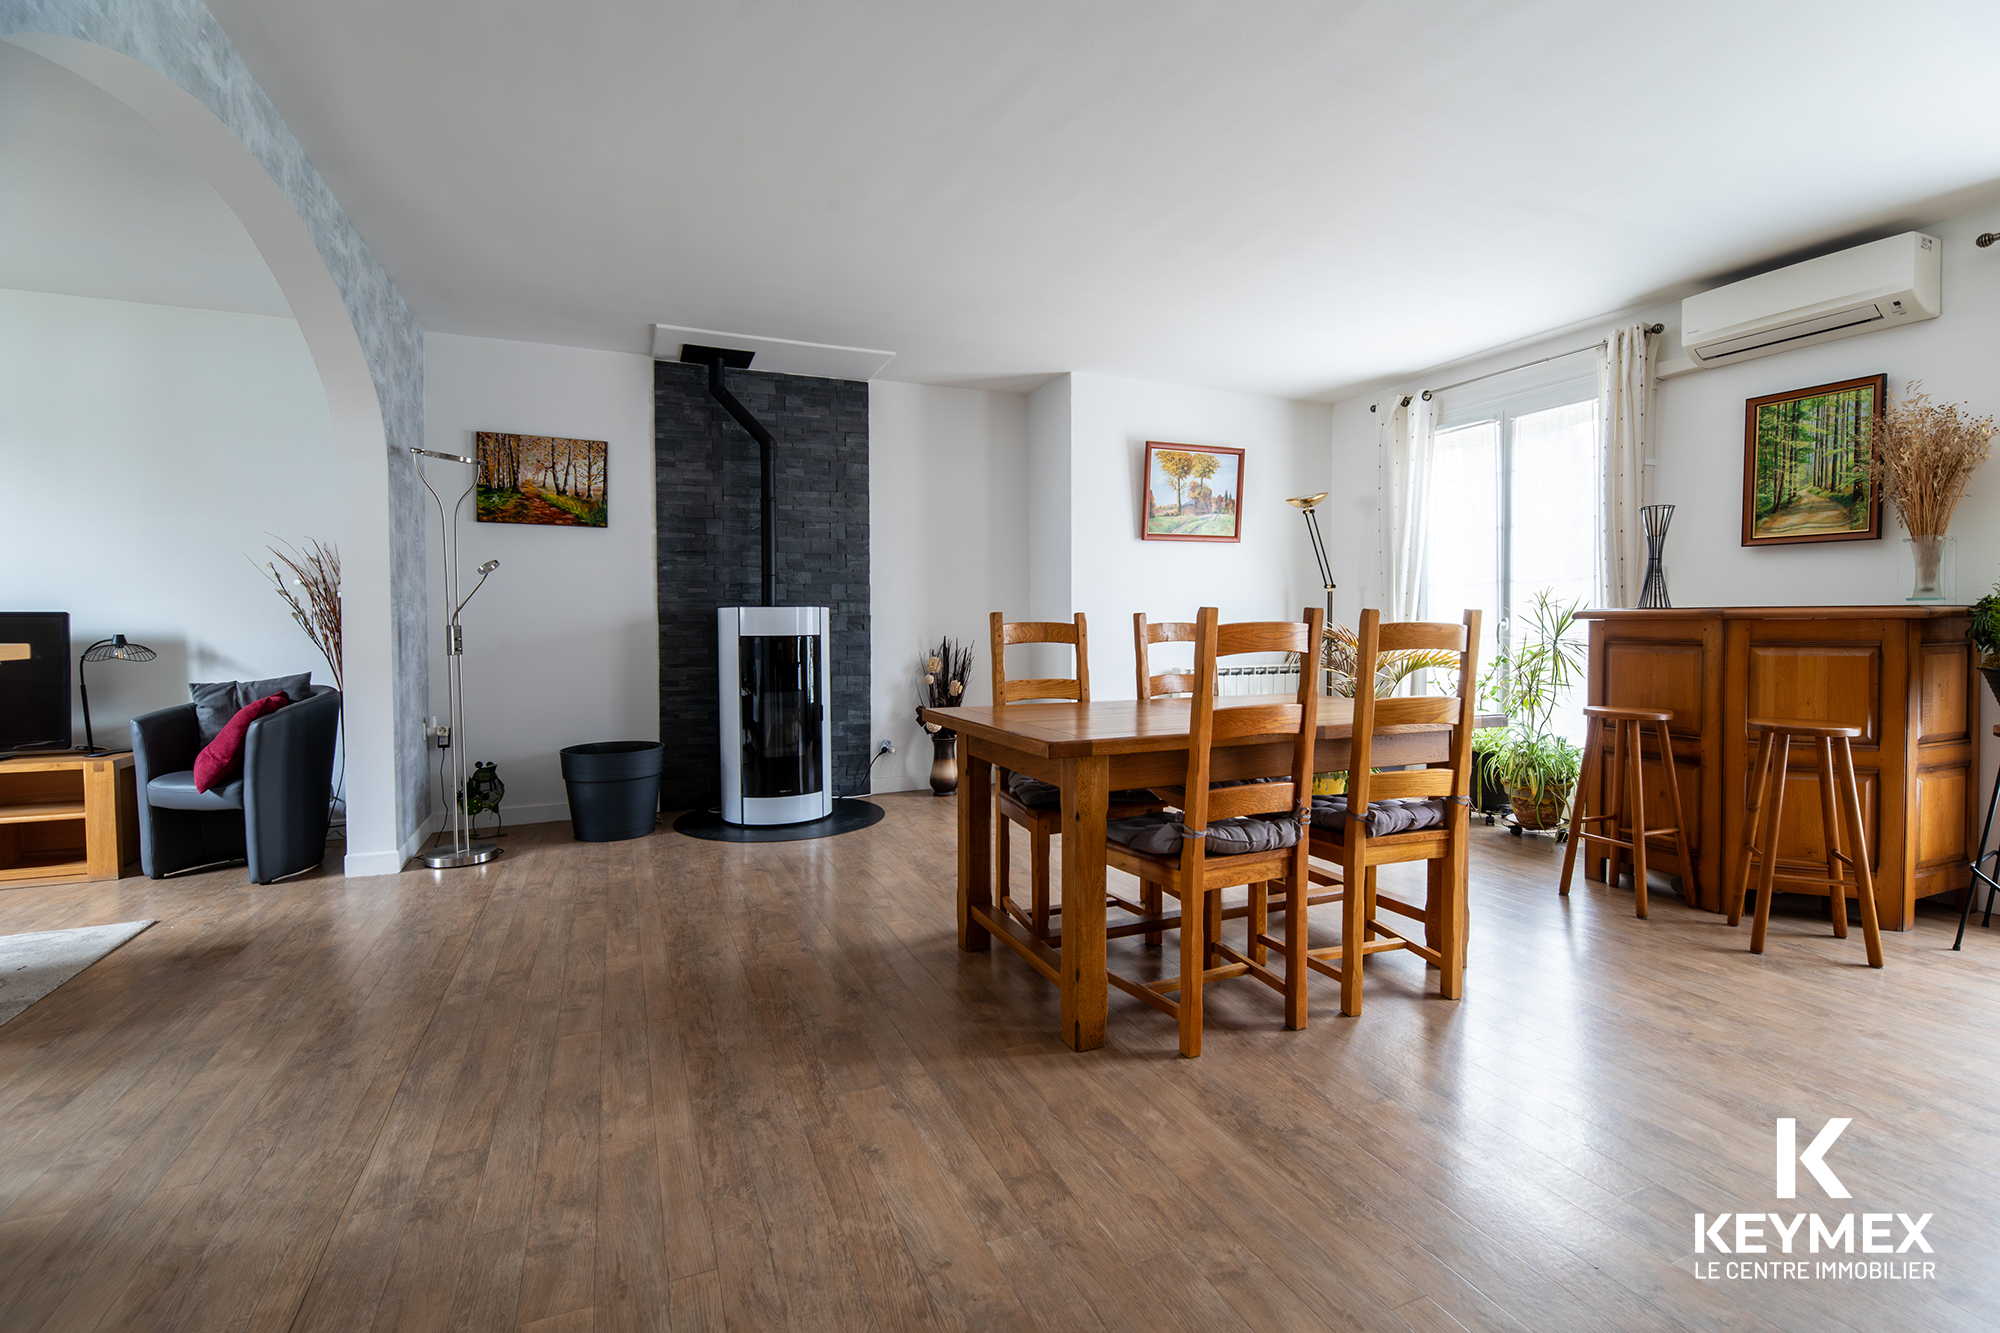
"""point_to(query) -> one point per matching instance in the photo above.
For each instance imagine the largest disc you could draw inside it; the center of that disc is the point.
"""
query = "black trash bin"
(614, 789)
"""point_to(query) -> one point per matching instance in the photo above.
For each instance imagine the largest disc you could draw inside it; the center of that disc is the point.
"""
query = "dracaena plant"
(1526, 682)
(1984, 631)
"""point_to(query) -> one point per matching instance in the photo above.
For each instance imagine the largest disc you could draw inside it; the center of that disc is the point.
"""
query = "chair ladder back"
(1073, 633)
(1206, 724)
(1375, 716)
(1145, 634)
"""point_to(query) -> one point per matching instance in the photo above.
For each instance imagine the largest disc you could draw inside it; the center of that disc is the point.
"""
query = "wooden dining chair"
(1386, 818)
(1224, 834)
(1145, 634)
(1027, 801)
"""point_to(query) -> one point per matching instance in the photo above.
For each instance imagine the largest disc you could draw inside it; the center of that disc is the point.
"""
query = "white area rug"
(33, 965)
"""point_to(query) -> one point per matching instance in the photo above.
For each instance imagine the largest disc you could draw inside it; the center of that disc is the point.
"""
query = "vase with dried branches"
(310, 586)
(947, 671)
(308, 581)
(1925, 454)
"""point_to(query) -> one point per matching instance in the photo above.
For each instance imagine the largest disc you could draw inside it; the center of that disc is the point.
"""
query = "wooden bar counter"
(1903, 674)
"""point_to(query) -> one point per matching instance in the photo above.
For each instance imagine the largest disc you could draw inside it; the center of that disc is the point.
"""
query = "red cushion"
(221, 757)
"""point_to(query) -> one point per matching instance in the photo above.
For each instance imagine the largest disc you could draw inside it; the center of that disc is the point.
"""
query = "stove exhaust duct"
(718, 359)
(776, 717)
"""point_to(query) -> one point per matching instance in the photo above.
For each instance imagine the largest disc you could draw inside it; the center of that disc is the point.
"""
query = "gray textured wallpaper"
(181, 39)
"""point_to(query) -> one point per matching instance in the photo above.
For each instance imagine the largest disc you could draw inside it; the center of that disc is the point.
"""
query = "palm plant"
(1527, 681)
(1340, 655)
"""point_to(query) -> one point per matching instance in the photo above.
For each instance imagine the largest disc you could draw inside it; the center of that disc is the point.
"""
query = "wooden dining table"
(1089, 751)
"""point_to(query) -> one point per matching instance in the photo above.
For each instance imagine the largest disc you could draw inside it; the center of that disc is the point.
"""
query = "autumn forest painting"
(1806, 464)
(541, 479)
(1192, 493)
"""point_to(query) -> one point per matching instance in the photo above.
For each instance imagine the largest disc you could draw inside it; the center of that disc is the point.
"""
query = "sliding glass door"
(1515, 509)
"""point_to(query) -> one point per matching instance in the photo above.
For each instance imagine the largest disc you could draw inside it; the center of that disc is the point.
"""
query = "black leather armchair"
(274, 814)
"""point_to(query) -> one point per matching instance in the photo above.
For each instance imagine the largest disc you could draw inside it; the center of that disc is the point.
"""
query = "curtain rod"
(1596, 346)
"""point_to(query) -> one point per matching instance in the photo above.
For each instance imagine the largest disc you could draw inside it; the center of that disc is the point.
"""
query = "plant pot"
(1528, 814)
(614, 789)
(944, 763)
(1487, 791)
(1992, 674)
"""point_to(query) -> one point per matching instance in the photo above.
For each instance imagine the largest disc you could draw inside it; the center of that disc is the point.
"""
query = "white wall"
(949, 533)
(561, 646)
(151, 453)
(1268, 575)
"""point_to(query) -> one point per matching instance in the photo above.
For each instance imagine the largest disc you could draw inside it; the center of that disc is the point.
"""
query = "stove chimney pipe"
(717, 359)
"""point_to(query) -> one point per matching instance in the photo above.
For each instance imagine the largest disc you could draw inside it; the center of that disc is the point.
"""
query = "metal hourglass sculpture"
(463, 851)
(1655, 518)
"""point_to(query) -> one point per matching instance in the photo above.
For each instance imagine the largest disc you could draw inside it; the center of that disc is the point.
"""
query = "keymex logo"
(1810, 1233)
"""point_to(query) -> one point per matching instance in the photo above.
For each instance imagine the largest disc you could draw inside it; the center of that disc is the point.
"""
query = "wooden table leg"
(975, 844)
(1086, 798)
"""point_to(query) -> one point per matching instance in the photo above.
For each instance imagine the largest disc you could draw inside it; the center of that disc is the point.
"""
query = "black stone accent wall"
(706, 480)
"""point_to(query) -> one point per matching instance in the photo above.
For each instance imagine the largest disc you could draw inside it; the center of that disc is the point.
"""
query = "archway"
(383, 614)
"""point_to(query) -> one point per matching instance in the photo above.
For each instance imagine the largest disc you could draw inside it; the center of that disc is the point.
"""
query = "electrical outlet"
(888, 747)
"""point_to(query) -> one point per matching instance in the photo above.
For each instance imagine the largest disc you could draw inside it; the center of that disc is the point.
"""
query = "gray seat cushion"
(1159, 833)
(1039, 795)
(175, 791)
(1384, 817)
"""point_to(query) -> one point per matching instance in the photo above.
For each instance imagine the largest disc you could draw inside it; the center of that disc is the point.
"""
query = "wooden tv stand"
(67, 817)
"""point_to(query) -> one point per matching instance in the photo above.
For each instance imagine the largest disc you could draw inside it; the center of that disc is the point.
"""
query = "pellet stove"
(777, 730)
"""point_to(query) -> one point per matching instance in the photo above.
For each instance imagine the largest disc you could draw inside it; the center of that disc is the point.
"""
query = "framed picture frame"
(1805, 458)
(546, 480)
(1191, 493)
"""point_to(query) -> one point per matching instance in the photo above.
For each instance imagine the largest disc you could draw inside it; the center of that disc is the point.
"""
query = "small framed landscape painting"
(1192, 493)
(542, 479)
(1805, 464)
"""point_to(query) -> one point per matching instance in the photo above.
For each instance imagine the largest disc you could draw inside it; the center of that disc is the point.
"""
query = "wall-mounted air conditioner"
(1874, 286)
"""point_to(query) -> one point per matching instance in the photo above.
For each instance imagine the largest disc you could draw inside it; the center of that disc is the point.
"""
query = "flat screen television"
(34, 681)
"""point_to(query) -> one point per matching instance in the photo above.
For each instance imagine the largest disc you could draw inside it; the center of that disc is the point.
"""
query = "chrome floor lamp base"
(445, 858)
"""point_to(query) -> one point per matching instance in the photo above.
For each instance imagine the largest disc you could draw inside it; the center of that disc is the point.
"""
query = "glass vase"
(1930, 568)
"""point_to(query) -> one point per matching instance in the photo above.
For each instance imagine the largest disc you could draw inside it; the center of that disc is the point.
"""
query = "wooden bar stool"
(1628, 729)
(1836, 789)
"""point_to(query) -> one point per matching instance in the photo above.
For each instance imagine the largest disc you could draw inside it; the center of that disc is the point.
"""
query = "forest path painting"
(542, 479)
(1806, 464)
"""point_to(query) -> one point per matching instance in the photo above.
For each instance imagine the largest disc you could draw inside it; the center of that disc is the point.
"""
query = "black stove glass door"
(782, 753)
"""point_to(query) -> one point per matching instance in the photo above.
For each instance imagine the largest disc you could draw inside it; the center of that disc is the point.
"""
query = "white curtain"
(1403, 523)
(1625, 400)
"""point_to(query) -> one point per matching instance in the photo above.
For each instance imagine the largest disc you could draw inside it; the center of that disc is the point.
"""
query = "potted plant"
(1536, 765)
(1984, 632)
(947, 671)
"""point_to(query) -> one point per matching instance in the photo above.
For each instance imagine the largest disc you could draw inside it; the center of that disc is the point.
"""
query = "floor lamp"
(1306, 504)
(464, 851)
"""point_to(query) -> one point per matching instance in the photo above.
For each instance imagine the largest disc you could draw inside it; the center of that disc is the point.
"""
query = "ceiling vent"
(1874, 286)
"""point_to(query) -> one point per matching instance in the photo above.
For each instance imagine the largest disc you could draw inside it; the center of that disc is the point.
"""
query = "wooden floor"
(689, 1085)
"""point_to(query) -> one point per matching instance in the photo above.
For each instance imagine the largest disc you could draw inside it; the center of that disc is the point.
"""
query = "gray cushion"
(175, 791)
(1039, 795)
(1384, 817)
(218, 701)
(1160, 834)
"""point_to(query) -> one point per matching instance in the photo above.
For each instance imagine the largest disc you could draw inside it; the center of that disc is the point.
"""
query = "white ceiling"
(1289, 197)
(95, 202)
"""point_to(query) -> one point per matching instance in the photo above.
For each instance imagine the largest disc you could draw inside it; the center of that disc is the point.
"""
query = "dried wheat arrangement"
(1925, 454)
(313, 594)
